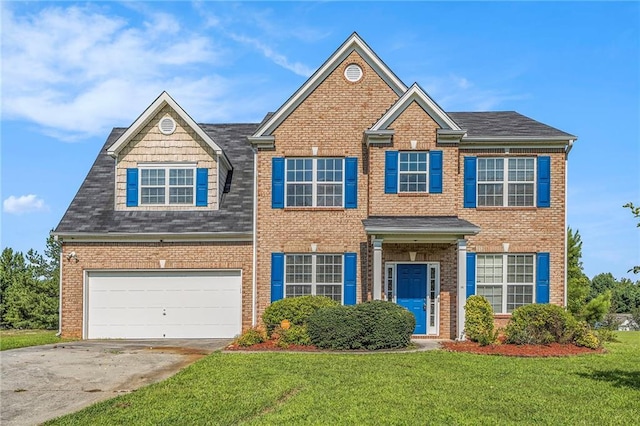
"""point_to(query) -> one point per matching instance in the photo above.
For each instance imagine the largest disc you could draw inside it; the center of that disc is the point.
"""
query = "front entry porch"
(420, 263)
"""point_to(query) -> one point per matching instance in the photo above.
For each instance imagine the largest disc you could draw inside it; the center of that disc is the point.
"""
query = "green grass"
(13, 339)
(433, 387)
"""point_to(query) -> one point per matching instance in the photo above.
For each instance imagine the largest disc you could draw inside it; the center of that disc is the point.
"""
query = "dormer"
(166, 161)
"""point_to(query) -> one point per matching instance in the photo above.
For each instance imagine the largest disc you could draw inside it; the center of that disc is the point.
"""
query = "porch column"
(376, 292)
(462, 286)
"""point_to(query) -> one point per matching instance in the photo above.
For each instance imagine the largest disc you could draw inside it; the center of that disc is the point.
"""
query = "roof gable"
(353, 43)
(416, 94)
(149, 113)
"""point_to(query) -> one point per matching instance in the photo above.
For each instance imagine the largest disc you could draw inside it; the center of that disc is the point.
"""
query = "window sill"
(413, 194)
(507, 208)
(502, 316)
(314, 209)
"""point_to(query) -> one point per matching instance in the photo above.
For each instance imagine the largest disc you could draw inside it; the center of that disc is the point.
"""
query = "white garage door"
(163, 304)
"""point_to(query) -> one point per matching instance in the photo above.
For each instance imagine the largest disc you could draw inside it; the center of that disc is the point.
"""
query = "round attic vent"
(167, 125)
(353, 73)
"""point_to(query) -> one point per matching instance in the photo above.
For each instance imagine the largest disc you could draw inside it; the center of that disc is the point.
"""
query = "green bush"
(386, 325)
(539, 324)
(295, 309)
(582, 335)
(479, 326)
(370, 325)
(251, 337)
(294, 335)
(335, 327)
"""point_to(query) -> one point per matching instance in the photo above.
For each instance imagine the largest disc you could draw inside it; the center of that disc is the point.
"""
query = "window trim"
(505, 181)
(167, 167)
(426, 172)
(314, 182)
(313, 282)
(505, 284)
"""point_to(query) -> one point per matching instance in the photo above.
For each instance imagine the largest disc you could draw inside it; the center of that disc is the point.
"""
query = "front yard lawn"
(13, 339)
(435, 387)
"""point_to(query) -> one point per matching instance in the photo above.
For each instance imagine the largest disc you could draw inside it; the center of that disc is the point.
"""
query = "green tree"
(596, 309)
(30, 297)
(577, 282)
(636, 213)
(601, 283)
(13, 268)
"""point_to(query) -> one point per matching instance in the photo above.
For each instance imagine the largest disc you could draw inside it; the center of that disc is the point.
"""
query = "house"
(357, 188)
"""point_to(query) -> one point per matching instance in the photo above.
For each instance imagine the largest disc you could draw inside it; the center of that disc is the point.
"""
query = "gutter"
(152, 237)
(439, 231)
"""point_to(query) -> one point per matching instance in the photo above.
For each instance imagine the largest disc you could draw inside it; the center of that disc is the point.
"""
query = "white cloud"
(77, 71)
(24, 204)
(277, 58)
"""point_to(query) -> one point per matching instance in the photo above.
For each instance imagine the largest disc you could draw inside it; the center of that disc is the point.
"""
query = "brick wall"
(333, 119)
(151, 145)
(131, 256)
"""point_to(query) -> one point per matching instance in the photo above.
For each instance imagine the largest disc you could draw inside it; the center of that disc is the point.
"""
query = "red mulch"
(553, 349)
(270, 345)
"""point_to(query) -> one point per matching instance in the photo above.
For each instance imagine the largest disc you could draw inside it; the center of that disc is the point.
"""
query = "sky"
(72, 71)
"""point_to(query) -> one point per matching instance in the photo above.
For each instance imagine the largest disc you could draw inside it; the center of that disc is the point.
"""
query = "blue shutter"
(435, 172)
(132, 187)
(350, 268)
(277, 276)
(351, 183)
(542, 280)
(391, 172)
(470, 182)
(471, 274)
(202, 187)
(544, 181)
(277, 183)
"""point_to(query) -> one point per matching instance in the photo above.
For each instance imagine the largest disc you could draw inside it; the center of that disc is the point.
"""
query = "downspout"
(59, 333)
(254, 273)
(566, 216)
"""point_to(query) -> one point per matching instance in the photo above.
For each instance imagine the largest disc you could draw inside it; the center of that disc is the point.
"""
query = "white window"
(516, 187)
(506, 280)
(167, 185)
(412, 171)
(314, 182)
(314, 274)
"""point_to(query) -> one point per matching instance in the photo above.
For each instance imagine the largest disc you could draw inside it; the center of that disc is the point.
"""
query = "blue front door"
(412, 293)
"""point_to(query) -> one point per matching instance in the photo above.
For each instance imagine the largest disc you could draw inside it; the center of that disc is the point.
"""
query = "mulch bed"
(551, 350)
(270, 345)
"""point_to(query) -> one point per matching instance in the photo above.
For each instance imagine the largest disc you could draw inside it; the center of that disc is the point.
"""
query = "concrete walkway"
(43, 382)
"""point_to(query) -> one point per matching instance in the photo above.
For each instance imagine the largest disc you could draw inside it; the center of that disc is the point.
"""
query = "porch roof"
(419, 226)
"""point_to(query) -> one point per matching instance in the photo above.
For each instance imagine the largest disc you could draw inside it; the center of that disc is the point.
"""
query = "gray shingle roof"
(503, 124)
(92, 209)
(434, 224)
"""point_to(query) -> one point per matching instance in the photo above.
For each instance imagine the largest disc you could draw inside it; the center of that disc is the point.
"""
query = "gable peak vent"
(353, 73)
(167, 125)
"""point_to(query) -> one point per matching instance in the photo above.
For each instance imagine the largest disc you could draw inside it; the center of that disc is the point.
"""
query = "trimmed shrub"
(386, 325)
(539, 324)
(295, 309)
(479, 326)
(294, 335)
(251, 337)
(582, 335)
(336, 327)
(370, 325)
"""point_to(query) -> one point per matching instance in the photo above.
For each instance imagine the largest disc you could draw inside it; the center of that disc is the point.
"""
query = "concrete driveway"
(42, 382)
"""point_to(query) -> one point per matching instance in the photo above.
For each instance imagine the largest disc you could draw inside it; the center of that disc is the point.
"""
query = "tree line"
(29, 287)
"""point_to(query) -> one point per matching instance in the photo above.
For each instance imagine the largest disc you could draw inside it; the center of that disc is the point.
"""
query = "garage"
(163, 304)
